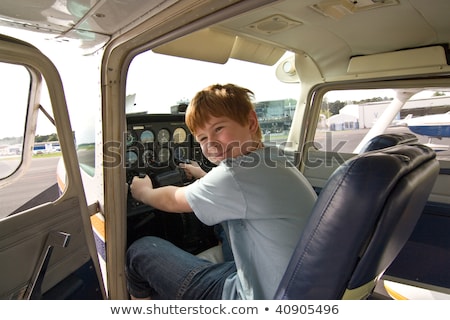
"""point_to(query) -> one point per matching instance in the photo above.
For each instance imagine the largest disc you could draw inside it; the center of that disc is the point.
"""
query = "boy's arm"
(168, 198)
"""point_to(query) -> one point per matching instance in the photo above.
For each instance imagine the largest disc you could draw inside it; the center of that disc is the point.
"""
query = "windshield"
(159, 83)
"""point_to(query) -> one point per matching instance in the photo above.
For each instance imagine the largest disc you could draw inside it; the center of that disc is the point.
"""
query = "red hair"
(217, 100)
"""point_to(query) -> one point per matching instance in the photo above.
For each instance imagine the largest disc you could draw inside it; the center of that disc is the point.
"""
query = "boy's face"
(221, 138)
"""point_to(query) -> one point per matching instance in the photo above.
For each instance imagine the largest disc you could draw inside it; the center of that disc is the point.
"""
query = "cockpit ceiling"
(331, 38)
(60, 16)
(93, 22)
(330, 32)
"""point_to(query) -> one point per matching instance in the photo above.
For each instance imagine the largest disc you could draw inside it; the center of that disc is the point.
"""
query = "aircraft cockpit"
(155, 145)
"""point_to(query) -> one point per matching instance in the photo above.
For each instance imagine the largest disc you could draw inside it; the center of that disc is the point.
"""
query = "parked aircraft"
(138, 65)
(432, 126)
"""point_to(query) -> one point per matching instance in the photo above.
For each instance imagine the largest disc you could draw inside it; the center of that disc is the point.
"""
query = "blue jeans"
(158, 269)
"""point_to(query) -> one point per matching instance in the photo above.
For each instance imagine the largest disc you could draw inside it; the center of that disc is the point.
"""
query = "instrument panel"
(159, 142)
(155, 145)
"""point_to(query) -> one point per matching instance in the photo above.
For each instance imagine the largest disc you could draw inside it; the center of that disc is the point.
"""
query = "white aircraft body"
(432, 126)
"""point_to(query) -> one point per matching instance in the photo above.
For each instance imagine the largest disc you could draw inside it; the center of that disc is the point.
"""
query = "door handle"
(54, 239)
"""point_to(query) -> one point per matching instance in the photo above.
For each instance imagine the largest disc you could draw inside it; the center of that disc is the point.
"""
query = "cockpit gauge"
(164, 155)
(148, 157)
(163, 136)
(179, 135)
(147, 136)
(130, 137)
(180, 153)
(131, 159)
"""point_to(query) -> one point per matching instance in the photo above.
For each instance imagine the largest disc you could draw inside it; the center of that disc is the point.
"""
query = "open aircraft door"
(47, 251)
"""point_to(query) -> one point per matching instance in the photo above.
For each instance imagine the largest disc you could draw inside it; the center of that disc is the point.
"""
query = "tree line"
(38, 138)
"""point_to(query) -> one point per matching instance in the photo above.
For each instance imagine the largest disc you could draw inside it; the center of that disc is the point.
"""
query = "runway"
(41, 175)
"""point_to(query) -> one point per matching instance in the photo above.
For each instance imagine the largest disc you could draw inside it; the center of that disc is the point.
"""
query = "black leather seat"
(362, 218)
(388, 140)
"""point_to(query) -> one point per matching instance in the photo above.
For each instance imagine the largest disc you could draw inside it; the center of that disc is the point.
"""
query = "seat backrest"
(362, 218)
(389, 140)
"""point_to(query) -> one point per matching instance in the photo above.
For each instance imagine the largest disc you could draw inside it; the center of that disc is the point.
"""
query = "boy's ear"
(253, 121)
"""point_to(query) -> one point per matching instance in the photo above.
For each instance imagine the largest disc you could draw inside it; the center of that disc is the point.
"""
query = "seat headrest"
(388, 140)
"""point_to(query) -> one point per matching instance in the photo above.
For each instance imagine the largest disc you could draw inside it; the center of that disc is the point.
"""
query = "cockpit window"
(14, 95)
(36, 183)
(158, 83)
(350, 118)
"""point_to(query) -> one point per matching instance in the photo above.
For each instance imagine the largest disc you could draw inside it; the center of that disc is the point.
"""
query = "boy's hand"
(140, 186)
(192, 170)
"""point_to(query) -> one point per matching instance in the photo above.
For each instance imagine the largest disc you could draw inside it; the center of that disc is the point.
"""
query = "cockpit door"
(47, 250)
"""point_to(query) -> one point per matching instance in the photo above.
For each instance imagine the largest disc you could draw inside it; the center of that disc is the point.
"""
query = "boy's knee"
(145, 245)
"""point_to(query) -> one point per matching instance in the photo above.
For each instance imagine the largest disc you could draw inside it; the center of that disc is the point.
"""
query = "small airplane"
(433, 126)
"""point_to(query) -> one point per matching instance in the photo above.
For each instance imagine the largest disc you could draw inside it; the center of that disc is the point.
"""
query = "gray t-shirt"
(263, 203)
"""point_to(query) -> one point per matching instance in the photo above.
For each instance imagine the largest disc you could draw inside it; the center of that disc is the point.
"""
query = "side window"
(349, 118)
(14, 92)
(38, 184)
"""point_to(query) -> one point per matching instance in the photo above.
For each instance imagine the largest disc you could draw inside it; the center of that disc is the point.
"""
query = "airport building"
(354, 116)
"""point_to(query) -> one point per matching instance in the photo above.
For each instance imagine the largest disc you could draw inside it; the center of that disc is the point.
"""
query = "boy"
(259, 198)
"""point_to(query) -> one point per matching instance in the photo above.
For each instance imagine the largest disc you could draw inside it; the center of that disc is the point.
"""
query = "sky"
(13, 97)
(184, 77)
(81, 85)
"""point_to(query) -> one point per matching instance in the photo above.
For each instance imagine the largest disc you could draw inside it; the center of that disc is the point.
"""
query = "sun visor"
(216, 46)
(206, 45)
(257, 52)
(405, 59)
